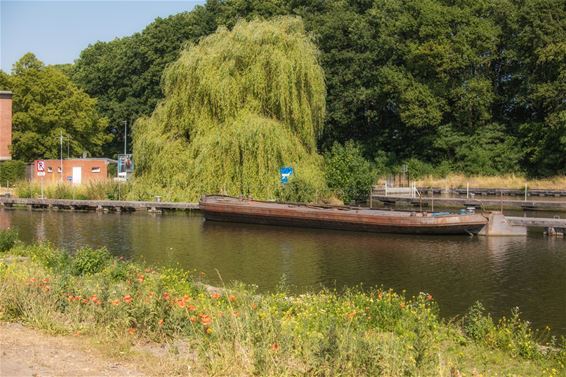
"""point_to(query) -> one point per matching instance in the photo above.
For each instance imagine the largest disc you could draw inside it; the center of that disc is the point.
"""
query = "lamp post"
(125, 136)
(61, 143)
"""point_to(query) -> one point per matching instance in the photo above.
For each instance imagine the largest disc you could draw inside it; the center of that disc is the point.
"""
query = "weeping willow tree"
(238, 105)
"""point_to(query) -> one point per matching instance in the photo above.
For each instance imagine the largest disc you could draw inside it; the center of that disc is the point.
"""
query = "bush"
(297, 190)
(88, 261)
(8, 238)
(12, 171)
(348, 173)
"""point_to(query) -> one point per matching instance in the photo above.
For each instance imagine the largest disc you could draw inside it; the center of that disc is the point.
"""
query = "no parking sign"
(40, 168)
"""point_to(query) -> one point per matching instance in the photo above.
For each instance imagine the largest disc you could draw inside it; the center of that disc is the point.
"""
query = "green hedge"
(12, 171)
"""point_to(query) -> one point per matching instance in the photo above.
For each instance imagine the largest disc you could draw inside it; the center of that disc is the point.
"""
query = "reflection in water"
(502, 272)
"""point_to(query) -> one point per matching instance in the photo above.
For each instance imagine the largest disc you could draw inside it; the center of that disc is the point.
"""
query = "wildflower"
(160, 322)
(141, 278)
(402, 305)
(429, 297)
(351, 315)
(32, 280)
(77, 333)
(193, 319)
(379, 296)
(202, 274)
(186, 297)
(127, 299)
(151, 293)
(46, 280)
(208, 330)
(166, 296)
(181, 303)
(236, 314)
(46, 288)
(254, 306)
(84, 301)
(215, 295)
(205, 319)
(131, 331)
(231, 298)
(191, 308)
(275, 347)
(115, 302)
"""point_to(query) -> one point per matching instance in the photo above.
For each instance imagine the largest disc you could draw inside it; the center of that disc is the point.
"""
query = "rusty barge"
(230, 209)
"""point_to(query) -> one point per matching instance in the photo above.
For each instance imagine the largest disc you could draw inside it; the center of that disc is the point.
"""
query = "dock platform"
(97, 205)
(533, 205)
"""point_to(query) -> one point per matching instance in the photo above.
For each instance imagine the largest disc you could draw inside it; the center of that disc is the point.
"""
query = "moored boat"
(231, 209)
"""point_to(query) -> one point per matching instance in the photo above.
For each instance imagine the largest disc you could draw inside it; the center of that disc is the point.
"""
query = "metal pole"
(125, 136)
(61, 142)
(467, 190)
(525, 191)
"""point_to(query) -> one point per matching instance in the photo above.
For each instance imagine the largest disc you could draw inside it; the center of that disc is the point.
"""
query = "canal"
(501, 272)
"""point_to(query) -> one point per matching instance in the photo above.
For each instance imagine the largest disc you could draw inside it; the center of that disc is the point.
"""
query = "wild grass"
(94, 190)
(235, 331)
(506, 181)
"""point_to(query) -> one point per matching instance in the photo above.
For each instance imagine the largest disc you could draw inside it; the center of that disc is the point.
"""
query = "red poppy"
(127, 299)
(232, 298)
(166, 296)
(215, 296)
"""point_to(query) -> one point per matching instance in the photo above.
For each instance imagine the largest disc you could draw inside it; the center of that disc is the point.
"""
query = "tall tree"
(47, 104)
(238, 105)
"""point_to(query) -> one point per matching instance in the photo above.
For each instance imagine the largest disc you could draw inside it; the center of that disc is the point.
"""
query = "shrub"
(8, 238)
(12, 171)
(348, 173)
(297, 190)
(88, 261)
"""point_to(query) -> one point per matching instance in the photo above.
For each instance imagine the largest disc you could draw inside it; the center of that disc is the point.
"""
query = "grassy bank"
(506, 181)
(95, 190)
(131, 310)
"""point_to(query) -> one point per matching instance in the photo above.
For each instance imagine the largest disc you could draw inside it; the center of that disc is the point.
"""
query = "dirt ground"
(27, 352)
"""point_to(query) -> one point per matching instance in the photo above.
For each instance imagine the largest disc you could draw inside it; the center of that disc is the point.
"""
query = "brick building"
(5, 125)
(75, 170)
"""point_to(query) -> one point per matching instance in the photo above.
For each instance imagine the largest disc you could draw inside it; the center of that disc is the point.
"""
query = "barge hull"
(229, 209)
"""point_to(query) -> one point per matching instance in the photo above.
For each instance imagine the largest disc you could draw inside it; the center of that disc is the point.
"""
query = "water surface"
(501, 272)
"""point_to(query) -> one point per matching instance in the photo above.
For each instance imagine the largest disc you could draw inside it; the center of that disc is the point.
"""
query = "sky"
(57, 31)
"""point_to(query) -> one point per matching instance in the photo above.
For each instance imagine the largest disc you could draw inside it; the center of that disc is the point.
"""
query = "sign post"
(40, 169)
(285, 172)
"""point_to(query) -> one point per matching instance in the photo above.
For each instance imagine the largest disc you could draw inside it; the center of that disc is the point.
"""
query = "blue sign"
(285, 174)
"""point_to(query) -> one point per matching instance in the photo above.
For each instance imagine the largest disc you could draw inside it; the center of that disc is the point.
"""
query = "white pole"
(61, 142)
(467, 190)
(525, 191)
(125, 136)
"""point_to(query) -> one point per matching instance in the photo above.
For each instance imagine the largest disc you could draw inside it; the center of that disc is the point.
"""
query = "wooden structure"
(97, 205)
(428, 202)
(230, 209)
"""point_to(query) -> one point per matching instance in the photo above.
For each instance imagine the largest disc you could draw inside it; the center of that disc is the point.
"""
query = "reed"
(507, 182)
(95, 190)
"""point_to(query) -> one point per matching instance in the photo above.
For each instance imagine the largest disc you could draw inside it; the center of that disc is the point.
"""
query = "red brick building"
(5, 125)
(75, 170)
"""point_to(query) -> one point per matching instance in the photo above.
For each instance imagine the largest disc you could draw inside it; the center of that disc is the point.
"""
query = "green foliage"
(234, 330)
(299, 190)
(96, 190)
(12, 171)
(473, 86)
(239, 105)
(8, 238)
(125, 73)
(88, 261)
(348, 174)
(46, 103)
(511, 334)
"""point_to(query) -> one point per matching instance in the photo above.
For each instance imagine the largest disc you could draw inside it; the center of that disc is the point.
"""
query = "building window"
(95, 169)
(49, 169)
(59, 170)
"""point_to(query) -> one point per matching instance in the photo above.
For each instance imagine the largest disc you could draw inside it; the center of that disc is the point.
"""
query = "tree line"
(443, 85)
